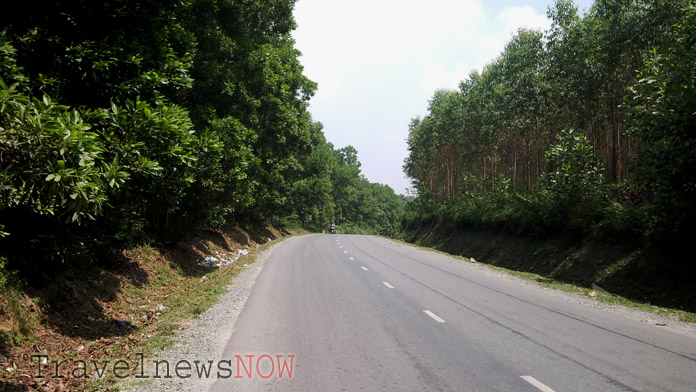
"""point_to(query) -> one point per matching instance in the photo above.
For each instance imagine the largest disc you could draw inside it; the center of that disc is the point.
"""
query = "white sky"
(377, 62)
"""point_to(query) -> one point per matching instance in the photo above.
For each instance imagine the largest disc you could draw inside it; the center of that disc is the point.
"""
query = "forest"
(587, 129)
(128, 122)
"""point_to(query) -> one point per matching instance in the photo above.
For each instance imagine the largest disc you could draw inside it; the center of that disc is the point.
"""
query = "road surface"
(360, 313)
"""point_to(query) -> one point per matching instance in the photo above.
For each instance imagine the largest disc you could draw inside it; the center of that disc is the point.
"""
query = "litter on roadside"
(211, 261)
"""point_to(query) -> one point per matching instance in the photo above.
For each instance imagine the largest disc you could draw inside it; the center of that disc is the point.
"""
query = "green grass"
(597, 295)
(15, 306)
(187, 299)
(601, 296)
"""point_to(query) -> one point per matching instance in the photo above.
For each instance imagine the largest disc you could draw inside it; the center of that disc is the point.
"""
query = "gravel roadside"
(202, 339)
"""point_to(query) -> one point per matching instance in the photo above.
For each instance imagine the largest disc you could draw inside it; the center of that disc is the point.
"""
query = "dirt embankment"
(622, 268)
(117, 310)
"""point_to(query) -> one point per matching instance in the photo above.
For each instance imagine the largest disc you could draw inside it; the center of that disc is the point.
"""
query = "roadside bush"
(52, 163)
(622, 221)
(419, 210)
(353, 228)
(535, 214)
(488, 209)
(157, 146)
(574, 182)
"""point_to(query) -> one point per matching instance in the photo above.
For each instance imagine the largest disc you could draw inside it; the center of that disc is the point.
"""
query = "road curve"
(347, 313)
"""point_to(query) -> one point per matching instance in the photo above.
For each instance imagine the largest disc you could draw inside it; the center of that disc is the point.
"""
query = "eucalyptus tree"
(660, 109)
(527, 103)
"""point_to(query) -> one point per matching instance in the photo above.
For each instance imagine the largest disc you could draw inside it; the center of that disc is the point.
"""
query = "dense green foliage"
(561, 133)
(129, 120)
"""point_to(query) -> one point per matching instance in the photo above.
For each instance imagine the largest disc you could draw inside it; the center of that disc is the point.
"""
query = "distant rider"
(333, 227)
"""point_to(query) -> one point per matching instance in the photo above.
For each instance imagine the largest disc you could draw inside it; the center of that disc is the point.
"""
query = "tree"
(660, 109)
(312, 193)
(51, 162)
(163, 115)
(514, 160)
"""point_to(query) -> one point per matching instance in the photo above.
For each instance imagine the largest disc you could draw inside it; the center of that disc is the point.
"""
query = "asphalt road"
(361, 313)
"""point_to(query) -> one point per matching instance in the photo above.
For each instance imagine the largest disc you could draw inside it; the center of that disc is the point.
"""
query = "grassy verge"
(185, 300)
(602, 296)
(115, 314)
(626, 276)
(19, 316)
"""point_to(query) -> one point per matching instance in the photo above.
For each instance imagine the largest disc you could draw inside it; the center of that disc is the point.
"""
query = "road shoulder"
(201, 339)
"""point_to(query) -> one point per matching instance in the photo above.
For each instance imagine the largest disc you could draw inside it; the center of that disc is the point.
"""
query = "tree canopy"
(587, 127)
(129, 120)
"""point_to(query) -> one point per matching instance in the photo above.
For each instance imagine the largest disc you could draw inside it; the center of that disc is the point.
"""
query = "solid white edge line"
(537, 384)
(388, 285)
(365, 268)
(434, 316)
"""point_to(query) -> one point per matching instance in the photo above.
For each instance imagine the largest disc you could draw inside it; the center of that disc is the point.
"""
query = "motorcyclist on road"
(333, 227)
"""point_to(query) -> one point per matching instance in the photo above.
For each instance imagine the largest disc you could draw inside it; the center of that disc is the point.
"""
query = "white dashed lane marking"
(538, 385)
(434, 316)
(365, 268)
(388, 285)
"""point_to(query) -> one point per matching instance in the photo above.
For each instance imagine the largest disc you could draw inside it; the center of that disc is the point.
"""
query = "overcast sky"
(378, 62)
